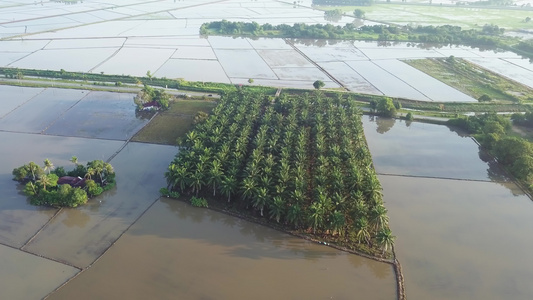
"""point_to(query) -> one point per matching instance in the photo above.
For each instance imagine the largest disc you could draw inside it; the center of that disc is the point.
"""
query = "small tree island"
(50, 186)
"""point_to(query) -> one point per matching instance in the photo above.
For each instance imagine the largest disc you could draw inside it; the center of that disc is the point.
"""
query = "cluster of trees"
(149, 95)
(489, 35)
(515, 153)
(385, 107)
(301, 161)
(525, 120)
(334, 15)
(41, 183)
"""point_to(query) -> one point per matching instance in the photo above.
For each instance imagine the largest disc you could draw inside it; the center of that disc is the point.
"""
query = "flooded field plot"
(135, 61)
(350, 78)
(100, 115)
(67, 59)
(193, 70)
(310, 74)
(506, 69)
(424, 150)
(36, 115)
(26, 276)
(165, 42)
(250, 64)
(191, 253)
(461, 239)
(385, 82)
(111, 29)
(13, 97)
(524, 63)
(24, 46)
(284, 58)
(425, 84)
(114, 43)
(162, 27)
(393, 53)
(80, 235)
(226, 42)
(269, 44)
(331, 53)
(18, 219)
(194, 53)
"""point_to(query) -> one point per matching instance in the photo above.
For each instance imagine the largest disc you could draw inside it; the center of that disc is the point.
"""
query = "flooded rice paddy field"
(128, 237)
(132, 37)
(178, 252)
(460, 222)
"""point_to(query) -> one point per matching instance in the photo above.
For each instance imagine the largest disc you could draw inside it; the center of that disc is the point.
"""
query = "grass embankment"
(173, 123)
(473, 80)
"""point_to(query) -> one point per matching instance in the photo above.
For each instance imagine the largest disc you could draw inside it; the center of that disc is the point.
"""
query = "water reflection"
(383, 124)
(203, 218)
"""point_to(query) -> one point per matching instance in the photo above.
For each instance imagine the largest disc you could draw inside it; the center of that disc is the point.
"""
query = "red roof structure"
(72, 181)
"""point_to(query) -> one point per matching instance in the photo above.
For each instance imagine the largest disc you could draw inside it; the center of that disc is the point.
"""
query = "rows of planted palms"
(301, 161)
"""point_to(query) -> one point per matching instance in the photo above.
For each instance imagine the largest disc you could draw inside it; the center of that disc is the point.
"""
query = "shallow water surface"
(176, 251)
(463, 235)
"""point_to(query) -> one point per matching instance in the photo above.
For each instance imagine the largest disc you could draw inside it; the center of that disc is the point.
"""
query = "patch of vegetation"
(166, 193)
(492, 132)
(474, 81)
(123, 79)
(385, 107)
(150, 98)
(199, 202)
(488, 35)
(174, 123)
(50, 186)
(297, 161)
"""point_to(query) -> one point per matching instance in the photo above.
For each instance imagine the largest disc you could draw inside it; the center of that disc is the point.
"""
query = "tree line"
(301, 161)
(489, 35)
(491, 131)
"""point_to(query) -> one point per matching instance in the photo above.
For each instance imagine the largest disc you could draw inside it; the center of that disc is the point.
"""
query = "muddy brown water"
(456, 238)
(176, 251)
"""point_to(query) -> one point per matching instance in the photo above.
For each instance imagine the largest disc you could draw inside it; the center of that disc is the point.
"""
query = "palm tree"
(44, 180)
(215, 175)
(48, 165)
(74, 160)
(260, 199)
(90, 173)
(372, 189)
(197, 181)
(228, 186)
(294, 215)
(248, 188)
(378, 217)
(277, 208)
(362, 228)
(317, 216)
(337, 221)
(385, 239)
(35, 170)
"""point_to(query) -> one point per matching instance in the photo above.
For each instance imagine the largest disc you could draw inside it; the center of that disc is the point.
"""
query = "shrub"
(198, 202)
